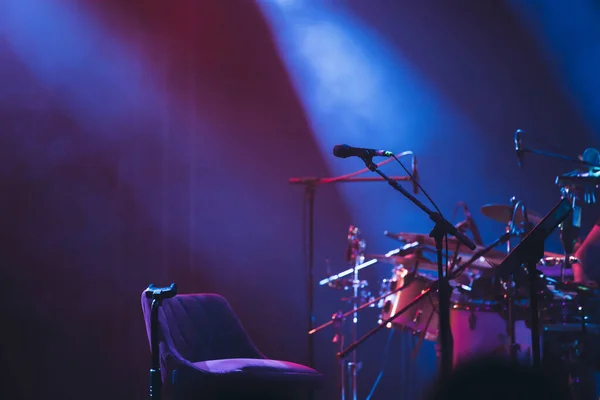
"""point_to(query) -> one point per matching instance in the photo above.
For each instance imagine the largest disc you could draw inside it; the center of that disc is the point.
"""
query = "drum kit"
(489, 315)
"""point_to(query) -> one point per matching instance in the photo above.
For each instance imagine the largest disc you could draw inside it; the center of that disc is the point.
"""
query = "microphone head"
(341, 151)
(518, 134)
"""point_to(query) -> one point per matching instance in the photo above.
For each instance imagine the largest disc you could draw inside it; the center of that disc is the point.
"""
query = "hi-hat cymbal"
(503, 213)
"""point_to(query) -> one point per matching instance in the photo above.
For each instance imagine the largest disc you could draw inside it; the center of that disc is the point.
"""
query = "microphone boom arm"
(559, 156)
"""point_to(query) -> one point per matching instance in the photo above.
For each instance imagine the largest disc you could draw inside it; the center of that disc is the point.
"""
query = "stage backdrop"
(152, 143)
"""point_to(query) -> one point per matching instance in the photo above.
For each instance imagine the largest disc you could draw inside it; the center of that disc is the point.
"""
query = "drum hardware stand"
(352, 311)
(569, 233)
(338, 326)
(310, 186)
(337, 322)
(509, 284)
(528, 253)
(433, 286)
(356, 255)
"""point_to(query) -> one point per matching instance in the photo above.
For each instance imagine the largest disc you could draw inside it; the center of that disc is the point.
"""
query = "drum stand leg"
(513, 346)
(509, 291)
(354, 365)
(338, 326)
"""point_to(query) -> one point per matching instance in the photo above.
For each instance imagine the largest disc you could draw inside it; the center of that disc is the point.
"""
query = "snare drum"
(421, 316)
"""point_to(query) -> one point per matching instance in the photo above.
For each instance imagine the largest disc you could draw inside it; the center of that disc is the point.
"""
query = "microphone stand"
(441, 229)
(556, 155)
(310, 187)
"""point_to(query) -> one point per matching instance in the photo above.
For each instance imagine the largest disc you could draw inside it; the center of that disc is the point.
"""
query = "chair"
(205, 353)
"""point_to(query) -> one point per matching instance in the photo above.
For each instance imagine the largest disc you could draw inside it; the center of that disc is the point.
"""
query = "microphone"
(345, 151)
(472, 226)
(415, 174)
(518, 147)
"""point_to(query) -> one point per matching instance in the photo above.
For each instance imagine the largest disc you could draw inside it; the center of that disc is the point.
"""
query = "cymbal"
(425, 240)
(408, 260)
(427, 264)
(428, 242)
(502, 213)
(494, 257)
(549, 254)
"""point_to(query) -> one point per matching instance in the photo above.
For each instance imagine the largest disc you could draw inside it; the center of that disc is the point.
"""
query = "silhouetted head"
(493, 378)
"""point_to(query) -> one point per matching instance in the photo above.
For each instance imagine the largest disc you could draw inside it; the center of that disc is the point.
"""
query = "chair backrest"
(200, 327)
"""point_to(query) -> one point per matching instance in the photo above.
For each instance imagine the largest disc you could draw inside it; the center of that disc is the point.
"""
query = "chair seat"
(254, 366)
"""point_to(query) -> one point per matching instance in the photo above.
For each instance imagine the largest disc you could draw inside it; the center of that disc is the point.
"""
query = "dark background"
(151, 142)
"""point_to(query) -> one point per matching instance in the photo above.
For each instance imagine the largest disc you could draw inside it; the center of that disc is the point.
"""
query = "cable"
(417, 183)
(432, 203)
(385, 357)
(362, 171)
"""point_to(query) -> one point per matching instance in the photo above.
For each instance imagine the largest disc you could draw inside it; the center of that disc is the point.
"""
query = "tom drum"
(420, 317)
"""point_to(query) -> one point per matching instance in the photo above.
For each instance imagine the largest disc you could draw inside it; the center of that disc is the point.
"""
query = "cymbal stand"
(338, 326)
(356, 256)
(509, 284)
(338, 318)
(370, 303)
(310, 187)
